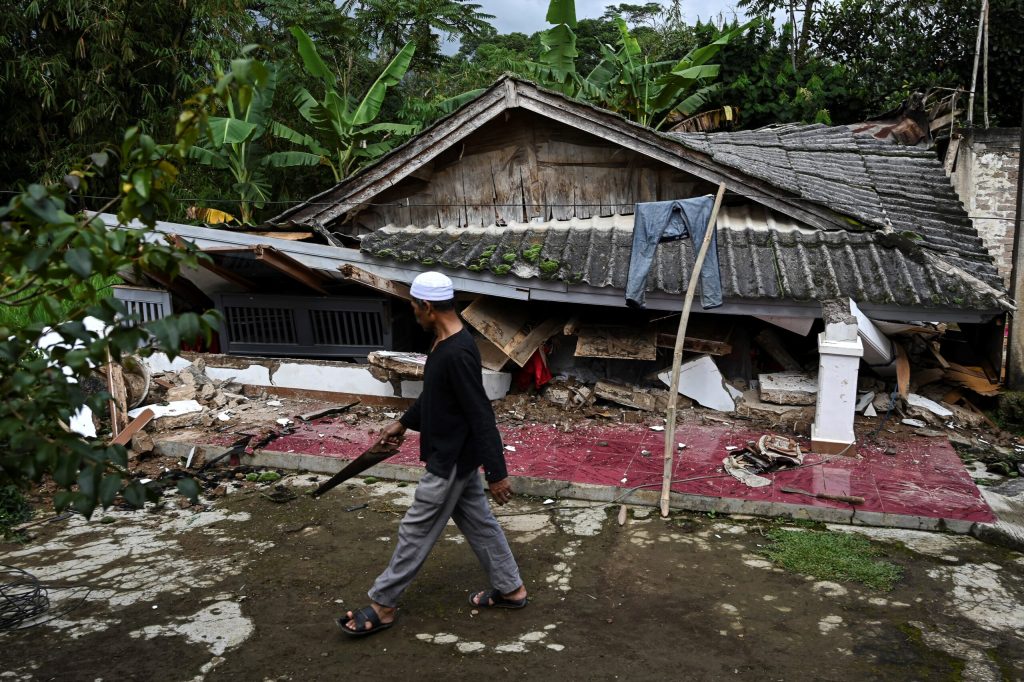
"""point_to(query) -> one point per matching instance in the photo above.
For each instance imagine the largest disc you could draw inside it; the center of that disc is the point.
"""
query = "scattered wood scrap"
(973, 378)
(326, 411)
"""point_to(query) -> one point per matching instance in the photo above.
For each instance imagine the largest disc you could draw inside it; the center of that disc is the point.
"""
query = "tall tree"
(76, 72)
(393, 23)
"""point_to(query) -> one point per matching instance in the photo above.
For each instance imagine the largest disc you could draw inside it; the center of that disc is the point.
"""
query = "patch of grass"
(832, 556)
(22, 316)
(14, 510)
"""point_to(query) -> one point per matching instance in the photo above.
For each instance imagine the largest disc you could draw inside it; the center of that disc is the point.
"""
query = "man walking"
(458, 435)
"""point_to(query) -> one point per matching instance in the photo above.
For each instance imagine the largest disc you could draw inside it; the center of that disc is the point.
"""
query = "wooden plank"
(327, 411)
(692, 344)
(134, 427)
(616, 341)
(491, 357)
(902, 370)
(514, 328)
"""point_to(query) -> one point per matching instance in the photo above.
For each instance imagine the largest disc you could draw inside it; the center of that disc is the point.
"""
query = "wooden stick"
(677, 355)
(137, 425)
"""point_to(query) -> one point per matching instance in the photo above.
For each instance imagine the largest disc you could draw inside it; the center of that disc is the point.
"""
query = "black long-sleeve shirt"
(453, 415)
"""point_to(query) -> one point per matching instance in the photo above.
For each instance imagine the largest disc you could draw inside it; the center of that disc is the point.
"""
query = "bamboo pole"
(984, 67)
(677, 355)
(974, 71)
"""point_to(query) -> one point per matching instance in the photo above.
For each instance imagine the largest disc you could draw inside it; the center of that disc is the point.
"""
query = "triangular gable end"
(509, 94)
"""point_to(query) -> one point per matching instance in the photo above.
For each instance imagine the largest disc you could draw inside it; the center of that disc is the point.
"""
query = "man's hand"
(501, 491)
(392, 435)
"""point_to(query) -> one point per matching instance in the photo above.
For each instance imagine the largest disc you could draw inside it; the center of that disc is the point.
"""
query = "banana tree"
(233, 142)
(655, 93)
(345, 136)
(650, 93)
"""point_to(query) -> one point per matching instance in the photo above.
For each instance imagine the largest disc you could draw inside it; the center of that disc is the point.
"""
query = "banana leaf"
(559, 50)
(315, 66)
(283, 132)
(288, 159)
(229, 130)
(562, 12)
(391, 75)
(207, 157)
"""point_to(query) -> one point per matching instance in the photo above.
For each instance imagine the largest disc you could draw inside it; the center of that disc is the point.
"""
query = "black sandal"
(498, 601)
(363, 616)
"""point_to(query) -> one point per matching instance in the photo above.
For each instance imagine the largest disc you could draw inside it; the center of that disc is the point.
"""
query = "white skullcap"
(432, 286)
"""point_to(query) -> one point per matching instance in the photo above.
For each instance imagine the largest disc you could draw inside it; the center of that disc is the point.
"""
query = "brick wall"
(985, 177)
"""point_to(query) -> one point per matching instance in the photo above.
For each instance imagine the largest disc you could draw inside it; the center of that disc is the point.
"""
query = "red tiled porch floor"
(922, 478)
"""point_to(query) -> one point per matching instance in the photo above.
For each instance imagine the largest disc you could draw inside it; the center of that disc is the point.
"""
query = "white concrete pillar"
(839, 352)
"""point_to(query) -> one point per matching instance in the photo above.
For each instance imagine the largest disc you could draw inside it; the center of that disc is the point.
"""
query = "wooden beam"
(693, 344)
(287, 265)
(359, 276)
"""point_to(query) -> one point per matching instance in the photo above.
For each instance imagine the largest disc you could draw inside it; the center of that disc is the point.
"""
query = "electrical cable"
(23, 599)
(393, 204)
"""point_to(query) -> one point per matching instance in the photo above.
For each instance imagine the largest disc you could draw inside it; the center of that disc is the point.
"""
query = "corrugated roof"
(872, 181)
(762, 256)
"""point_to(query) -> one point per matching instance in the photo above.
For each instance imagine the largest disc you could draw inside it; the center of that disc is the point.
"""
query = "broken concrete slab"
(863, 401)
(788, 388)
(921, 403)
(616, 342)
(316, 376)
(406, 365)
(172, 409)
(649, 400)
(701, 381)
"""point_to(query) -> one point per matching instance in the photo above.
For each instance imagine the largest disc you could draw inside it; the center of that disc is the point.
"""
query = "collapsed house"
(526, 198)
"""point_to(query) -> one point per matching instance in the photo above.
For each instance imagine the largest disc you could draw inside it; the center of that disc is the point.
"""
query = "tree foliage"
(46, 364)
(76, 73)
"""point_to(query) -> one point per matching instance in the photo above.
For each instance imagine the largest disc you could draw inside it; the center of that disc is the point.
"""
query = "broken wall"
(985, 178)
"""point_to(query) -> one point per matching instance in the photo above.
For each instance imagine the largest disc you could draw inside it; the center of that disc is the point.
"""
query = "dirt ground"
(247, 589)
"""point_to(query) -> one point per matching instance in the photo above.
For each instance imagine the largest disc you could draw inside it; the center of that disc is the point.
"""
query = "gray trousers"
(437, 500)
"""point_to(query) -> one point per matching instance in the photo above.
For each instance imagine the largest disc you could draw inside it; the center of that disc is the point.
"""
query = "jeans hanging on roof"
(660, 221)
